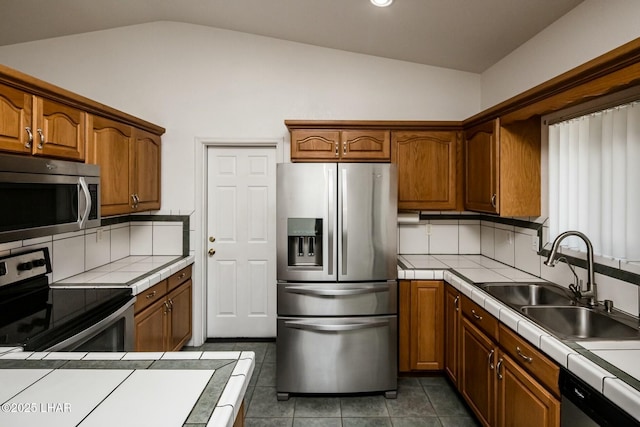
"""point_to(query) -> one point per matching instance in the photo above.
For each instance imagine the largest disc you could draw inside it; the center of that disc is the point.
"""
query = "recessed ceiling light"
(382, 3)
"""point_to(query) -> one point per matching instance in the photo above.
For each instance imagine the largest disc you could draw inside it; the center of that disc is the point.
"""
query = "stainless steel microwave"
(40, 197)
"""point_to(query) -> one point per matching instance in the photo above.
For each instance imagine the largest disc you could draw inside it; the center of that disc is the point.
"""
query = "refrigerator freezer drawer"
(337, 299)
(337, 355)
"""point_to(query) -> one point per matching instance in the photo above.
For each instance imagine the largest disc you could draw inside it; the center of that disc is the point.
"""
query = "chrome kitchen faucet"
(591, 289)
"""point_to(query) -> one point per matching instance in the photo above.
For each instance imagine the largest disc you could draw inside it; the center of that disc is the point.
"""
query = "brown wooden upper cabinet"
(33, 125)
(351, 145)
(502, 168)
(427, 169)
(129, 160)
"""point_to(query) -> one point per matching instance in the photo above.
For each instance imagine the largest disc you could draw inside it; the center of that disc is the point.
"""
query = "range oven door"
(113, 333)
(337, 354)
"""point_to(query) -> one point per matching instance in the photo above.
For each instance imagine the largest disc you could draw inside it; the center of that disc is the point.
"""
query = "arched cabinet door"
(427, 169)
(16, 130)
(60, 130)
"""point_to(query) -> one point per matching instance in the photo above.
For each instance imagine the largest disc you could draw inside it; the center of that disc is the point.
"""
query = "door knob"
(211, 252)
(212, 239)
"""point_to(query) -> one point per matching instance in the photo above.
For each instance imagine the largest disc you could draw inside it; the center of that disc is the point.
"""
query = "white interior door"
(241, 217)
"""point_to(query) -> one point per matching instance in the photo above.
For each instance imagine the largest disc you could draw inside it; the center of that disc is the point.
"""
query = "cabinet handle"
(133, 201)
(170, 305)
(491, 359)
(455, 302)
(30, 140)
(493, 200)
(41, 139)
(166, 308)
(344, 148)
(477, 316)
(337, 154)
(137, 199)
(151, 294)
(524, 356)
(498, 369)
(181, 276)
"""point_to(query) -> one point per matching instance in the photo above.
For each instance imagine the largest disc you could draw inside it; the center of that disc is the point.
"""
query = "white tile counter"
(611, 367)
(138, 272)
(123, 389)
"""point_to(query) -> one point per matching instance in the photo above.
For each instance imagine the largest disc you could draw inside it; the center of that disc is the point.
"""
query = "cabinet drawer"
(151, 295)
(480, 317)
(179, 278)
(530, 359)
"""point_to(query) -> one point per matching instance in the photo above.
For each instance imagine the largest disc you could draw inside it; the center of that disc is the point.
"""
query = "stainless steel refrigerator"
(337, 269)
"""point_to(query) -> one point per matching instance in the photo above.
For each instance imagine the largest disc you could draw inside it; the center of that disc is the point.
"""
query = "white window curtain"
(594, 180)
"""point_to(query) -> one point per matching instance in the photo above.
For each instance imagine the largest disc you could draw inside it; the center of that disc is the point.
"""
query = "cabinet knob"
(212, 252)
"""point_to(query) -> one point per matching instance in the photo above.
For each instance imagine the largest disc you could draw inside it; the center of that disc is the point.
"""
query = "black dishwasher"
(584, 406)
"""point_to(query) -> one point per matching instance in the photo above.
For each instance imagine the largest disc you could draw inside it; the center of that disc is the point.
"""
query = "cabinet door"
(315, 145)
(404, 325)
(427, 325)
(15, 117)
(481, 168)
(60, 130)
(109, 147)
(477, 368)
(451, 332)
(369, 145)
(150, 328)
(145, 174)
(522, 401)
(180, 320)
(427, 169)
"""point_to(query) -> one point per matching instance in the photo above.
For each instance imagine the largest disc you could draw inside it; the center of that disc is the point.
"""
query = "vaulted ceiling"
(468, 35)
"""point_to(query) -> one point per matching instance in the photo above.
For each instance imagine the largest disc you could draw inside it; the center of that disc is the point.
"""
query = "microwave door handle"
(87, 205)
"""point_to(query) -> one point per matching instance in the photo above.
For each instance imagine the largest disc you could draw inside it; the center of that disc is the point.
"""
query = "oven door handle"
(303, 290)
(87, 202)
(93, 329)
(305, 325)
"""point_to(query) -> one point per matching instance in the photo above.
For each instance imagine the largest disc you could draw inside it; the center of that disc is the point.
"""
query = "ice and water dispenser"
(304, 242)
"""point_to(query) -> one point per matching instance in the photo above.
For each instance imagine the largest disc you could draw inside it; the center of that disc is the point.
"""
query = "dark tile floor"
(421, 402)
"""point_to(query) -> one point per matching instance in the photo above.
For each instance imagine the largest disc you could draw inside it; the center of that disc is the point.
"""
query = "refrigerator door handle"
(344, 231)
(334, 292)
(330, 218)
(305, 325)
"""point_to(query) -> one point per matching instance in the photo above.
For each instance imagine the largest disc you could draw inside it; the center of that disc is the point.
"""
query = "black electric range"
(37, 317)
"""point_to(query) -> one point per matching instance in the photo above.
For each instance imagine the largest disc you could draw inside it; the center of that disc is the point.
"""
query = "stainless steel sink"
(525, 294)
(580, 323)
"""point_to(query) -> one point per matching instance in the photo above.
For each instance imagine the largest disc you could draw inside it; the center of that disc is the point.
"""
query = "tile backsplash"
(76, 252)
(514, 243)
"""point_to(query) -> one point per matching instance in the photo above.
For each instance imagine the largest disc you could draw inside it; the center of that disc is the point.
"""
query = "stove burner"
(36, 317)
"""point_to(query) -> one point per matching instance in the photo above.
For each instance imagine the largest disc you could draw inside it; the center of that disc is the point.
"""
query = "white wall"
(202, 82)
(586, 32)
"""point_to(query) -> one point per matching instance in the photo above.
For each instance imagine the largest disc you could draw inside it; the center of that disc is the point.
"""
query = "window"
(594, 174)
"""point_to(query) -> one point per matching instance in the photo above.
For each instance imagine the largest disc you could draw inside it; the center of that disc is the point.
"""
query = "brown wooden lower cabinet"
(505, 381)
(163, 318)
(239, 422)
(477, 364)
(522, 401)
(452, 317)
(421, 318)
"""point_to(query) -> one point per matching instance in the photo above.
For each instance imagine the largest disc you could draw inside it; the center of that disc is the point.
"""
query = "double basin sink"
(553, 308)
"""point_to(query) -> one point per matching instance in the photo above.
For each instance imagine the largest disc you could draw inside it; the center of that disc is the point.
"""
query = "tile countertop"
(610, 367)
(138, 272)
(125, 389)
